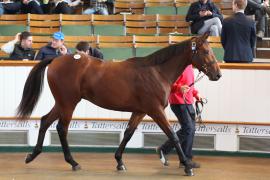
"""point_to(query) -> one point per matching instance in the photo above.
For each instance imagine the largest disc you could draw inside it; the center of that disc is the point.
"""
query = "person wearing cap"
(85, 48)
(21, 47)
(53, 49)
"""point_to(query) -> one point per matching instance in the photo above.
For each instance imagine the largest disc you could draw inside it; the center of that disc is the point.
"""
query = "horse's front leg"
(160, 118)
(135, 119)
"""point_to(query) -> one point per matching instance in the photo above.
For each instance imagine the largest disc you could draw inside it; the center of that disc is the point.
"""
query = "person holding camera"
(21, 47)
(204, 16)
(53, 49)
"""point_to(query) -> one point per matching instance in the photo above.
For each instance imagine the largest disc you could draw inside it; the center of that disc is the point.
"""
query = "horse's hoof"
(121, 168)
(28, 158)
(189, 171)
(76, 168)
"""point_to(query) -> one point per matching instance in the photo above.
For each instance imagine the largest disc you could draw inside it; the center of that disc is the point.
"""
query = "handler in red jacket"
(185, 113)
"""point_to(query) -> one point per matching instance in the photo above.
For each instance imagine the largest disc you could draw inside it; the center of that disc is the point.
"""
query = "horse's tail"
(32, 89)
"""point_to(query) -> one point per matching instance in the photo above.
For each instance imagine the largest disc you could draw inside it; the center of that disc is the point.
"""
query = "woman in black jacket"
(204, 16)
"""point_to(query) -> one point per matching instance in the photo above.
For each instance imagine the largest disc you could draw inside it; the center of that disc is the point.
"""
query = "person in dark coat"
(21, 47)
(11, 7)
(205, 17)
(84, 47)
(238, 35)
(259, 8)
(31, 6)
(53, 49)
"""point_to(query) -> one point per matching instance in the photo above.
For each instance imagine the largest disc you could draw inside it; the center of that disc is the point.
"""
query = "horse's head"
(203, 57)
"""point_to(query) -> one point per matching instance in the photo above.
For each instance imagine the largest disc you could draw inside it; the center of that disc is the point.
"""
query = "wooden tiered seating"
(141, 25)
(134, 6)
(12, 24)
(44, 24)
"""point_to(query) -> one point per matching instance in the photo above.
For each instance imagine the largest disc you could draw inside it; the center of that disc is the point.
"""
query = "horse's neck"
(174, 67)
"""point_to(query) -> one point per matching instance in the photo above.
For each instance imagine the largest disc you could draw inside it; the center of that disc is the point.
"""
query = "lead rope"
(198, 110)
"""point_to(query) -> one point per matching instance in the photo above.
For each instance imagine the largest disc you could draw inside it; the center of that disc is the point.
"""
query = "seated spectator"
(85, 48)
(259, 9)
(97, 7)
(204, 16)
(21, 47)
(53, 49)
(31, 6)
(46, 6)
(238, 35)
(11, 7)
(1, 9)
(65, 6)
(110, 6)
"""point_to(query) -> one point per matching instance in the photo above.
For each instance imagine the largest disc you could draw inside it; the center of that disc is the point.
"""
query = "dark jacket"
(238, 38)
(20, 53)
(49, 52)
(33, 7)
(253, 6)
(194, 16)
(95, 53)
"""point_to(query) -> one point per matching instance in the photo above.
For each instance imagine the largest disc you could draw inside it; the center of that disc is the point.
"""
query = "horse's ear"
(205, 35)
(202, 39)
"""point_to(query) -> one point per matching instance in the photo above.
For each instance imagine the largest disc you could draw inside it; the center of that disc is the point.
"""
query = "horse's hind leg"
(159, 117)
(135, 119)
(62, 129)
(45, 123)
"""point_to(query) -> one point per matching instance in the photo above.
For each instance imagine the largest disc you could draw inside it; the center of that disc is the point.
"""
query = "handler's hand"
(185, 89)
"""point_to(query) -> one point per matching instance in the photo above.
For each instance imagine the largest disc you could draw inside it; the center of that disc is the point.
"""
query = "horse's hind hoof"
(121, 168)
(189, 171)
(28, 158)
(76, 168)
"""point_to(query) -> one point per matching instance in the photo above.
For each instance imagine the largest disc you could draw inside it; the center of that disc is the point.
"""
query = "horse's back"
(121, 86)
(65, 75)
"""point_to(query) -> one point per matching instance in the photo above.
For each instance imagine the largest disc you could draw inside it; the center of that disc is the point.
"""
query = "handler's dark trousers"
(187, 131)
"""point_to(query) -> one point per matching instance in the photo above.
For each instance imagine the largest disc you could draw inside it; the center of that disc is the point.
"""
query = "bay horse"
(140, 85)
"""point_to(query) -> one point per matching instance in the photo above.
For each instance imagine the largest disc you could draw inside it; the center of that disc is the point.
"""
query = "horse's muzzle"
(215, 77)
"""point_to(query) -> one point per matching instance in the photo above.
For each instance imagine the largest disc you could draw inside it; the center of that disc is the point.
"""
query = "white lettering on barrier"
(252, 130)
(17, 124)
(255, 130)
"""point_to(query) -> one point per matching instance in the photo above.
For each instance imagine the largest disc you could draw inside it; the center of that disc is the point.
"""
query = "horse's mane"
(164, 54)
